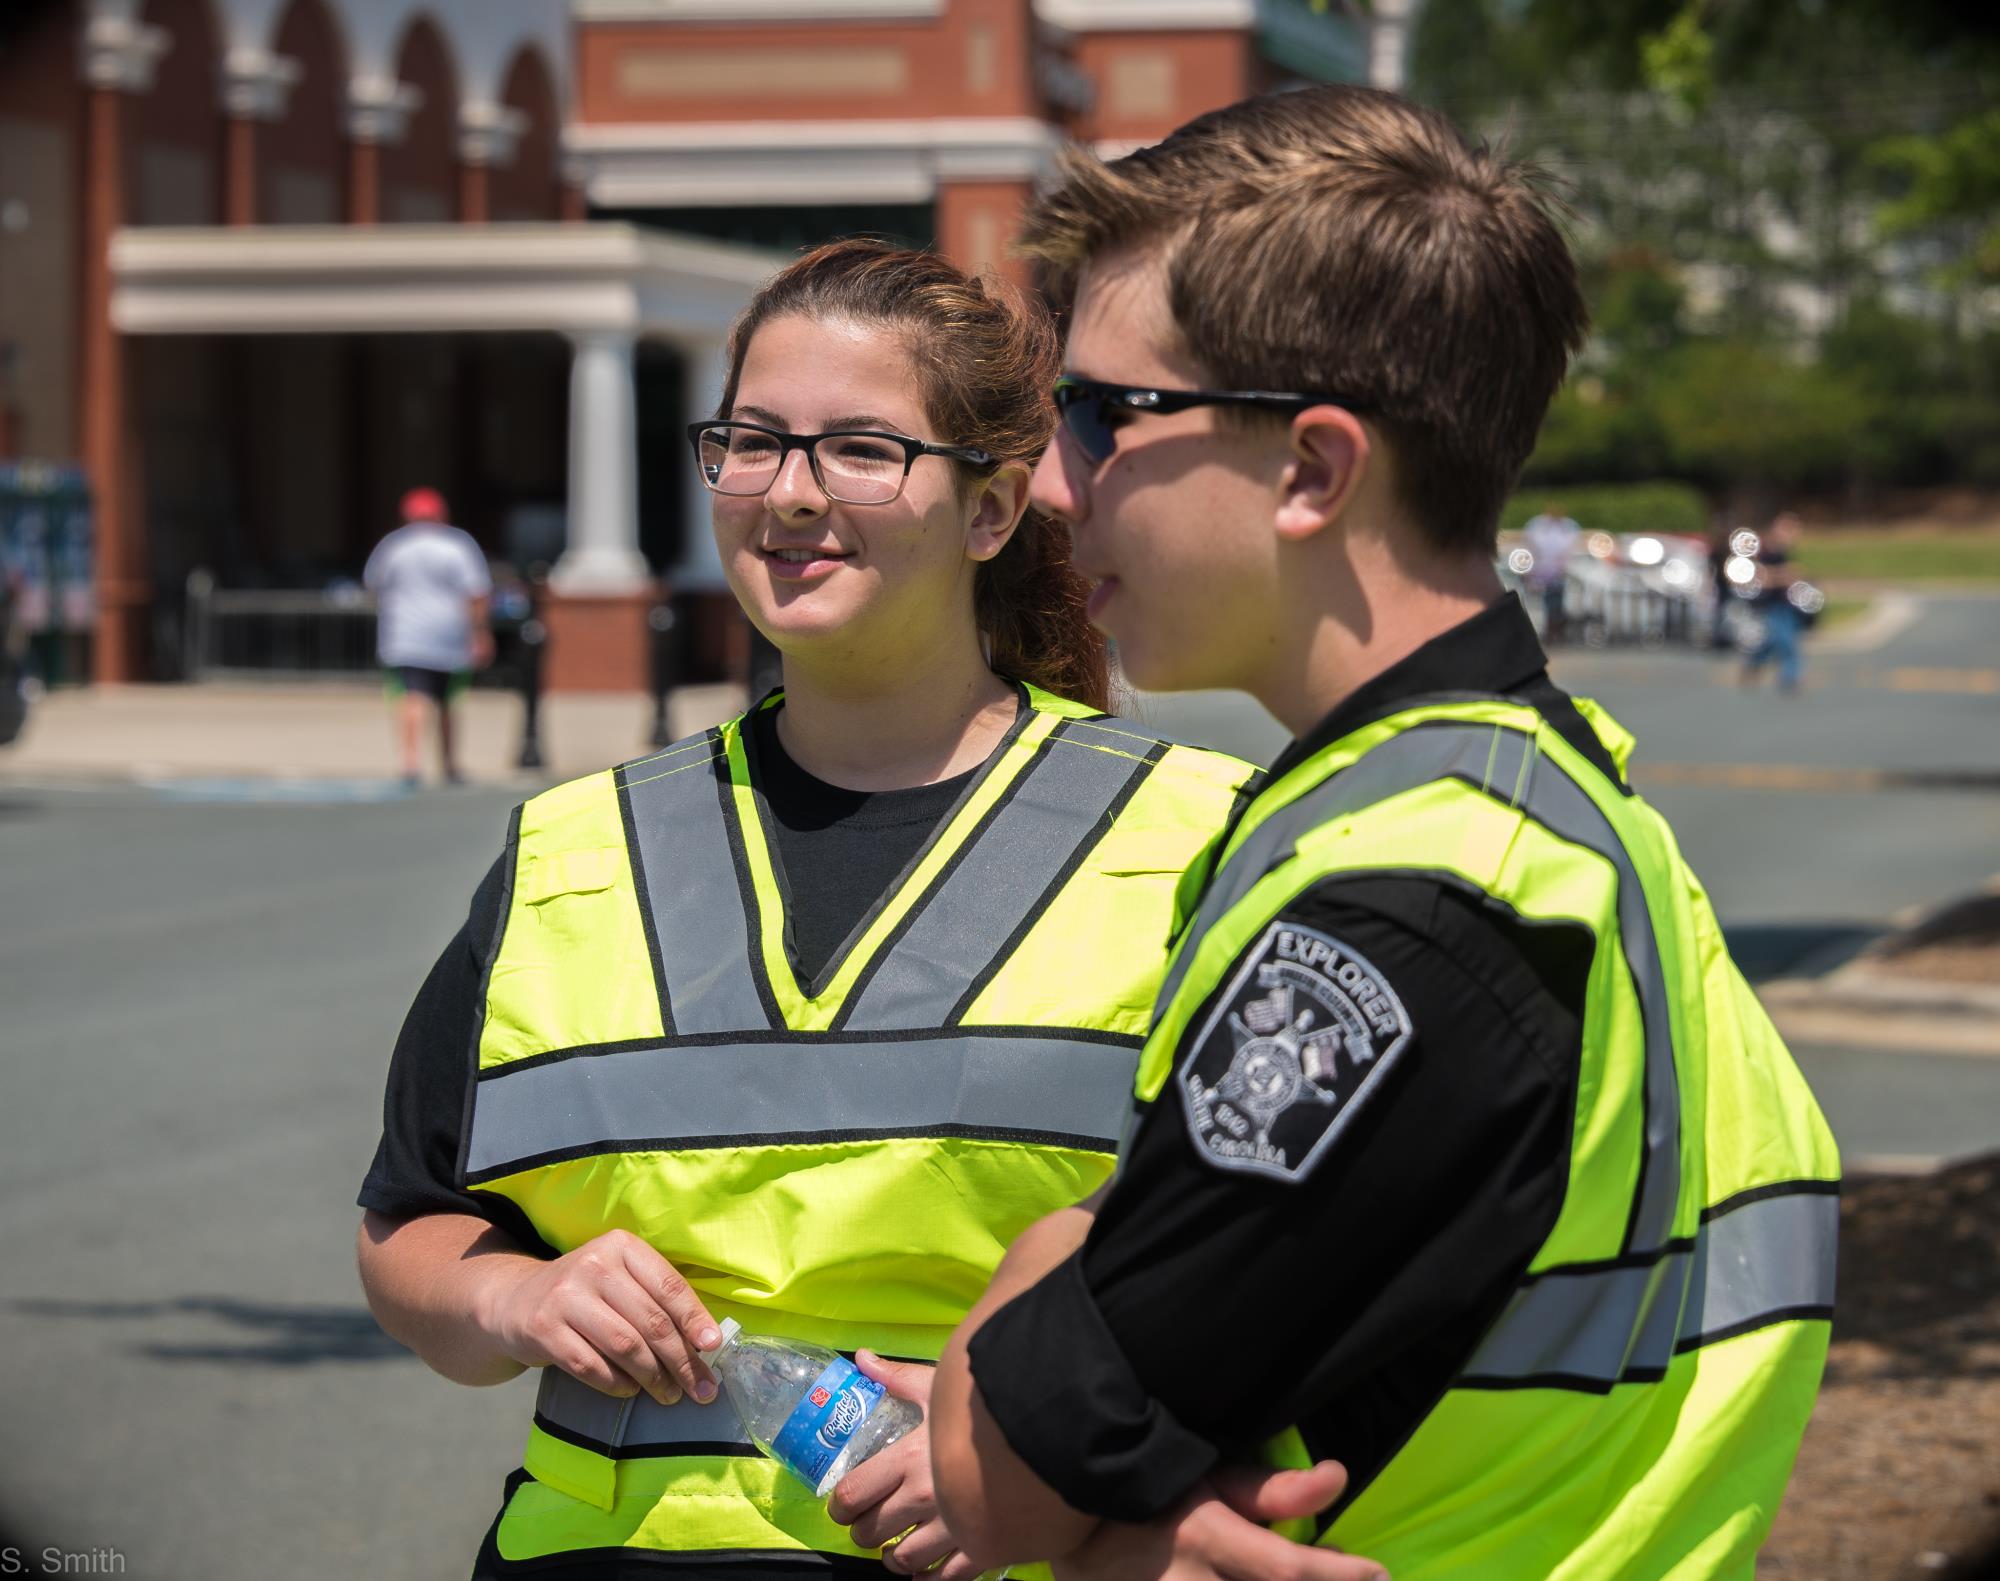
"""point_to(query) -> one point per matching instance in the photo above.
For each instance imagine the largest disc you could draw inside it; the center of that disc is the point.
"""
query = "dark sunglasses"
(1092, 410)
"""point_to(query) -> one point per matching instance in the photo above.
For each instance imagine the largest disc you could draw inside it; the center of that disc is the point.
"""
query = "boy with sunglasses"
(1461, 1153)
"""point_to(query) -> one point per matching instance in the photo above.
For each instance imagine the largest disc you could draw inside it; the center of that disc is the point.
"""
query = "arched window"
(419, 172)
(529, 187)
(175, 137)
(300, 156)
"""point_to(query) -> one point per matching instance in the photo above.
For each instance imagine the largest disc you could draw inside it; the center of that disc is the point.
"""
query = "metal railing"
(1614, 607)
(278, 635)
(1624, 609)
(275, 634)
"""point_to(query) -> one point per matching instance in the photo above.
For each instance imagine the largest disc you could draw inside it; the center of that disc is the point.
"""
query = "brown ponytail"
(987, 358)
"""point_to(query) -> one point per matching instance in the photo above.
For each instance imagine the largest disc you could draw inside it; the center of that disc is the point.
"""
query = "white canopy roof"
(339, 279)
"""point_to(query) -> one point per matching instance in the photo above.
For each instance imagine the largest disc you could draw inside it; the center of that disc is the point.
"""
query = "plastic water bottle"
(808, 1408)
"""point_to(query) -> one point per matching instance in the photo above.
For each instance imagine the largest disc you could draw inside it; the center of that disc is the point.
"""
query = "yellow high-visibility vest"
(842, 1162)
(1636, 1408)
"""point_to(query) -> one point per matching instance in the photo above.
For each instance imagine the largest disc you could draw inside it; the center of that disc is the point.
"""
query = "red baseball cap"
(423, 505)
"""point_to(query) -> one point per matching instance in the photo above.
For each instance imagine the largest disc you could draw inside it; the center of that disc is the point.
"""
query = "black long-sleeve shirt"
(1212, 1307)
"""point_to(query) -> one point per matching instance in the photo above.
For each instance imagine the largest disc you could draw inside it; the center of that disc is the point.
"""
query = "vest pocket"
(1124, 852)
(580, 871)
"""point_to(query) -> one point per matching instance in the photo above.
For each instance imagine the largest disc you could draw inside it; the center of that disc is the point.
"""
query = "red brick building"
(761, 119)
(266, 263)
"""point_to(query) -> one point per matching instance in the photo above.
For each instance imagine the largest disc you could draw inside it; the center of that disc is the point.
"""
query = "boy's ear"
(1002, 503)
(1330, 450)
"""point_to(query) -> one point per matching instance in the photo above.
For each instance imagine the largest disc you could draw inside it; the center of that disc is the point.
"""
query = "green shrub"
(1889, 399)
(1737, 412)
(1596, 437)
(1617, 507)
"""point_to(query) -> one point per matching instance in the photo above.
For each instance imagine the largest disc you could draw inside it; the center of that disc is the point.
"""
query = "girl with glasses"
(801, 1020)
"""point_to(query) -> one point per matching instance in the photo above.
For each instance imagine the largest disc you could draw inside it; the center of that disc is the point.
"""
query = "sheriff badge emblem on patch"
(1304, 1031)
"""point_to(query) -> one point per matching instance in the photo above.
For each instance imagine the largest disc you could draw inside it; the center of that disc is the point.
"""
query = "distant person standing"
(1550, 539)
(1719, 556)
(431, 590)
(1784, 622)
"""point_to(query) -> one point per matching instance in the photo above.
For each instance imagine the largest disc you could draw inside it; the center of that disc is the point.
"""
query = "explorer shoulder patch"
(1296, 1042)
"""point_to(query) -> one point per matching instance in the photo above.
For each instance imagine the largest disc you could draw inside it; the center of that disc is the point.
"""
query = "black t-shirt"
(1211, 1308)
(837, 852)
(1774, 589)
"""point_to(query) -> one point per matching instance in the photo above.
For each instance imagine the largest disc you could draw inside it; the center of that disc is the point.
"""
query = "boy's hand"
(888, 1501)
(1218, 1534)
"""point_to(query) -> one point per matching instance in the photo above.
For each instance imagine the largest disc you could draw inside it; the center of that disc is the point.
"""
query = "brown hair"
(986, 360)
(1341, 239)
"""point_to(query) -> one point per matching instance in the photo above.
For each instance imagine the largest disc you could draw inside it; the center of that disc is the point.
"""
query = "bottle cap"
(730, 1329)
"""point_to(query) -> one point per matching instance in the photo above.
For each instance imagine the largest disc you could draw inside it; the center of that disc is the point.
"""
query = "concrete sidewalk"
(1874, 998)
(167, 733)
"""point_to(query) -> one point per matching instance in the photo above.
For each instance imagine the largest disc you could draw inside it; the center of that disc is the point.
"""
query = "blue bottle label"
(824, 1420)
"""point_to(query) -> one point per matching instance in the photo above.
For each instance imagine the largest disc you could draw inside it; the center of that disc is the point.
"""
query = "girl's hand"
(613, 1313)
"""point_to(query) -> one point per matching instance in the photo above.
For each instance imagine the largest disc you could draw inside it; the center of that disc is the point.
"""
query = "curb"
(1832, 1021)
(1864, 988)
(168, 782)
(1900, 1164)
(1859, 1006)
(1866, 1001)
(1890, 611)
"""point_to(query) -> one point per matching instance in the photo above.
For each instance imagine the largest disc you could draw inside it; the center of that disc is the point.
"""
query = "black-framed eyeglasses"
(1092, 410)
(856, 466)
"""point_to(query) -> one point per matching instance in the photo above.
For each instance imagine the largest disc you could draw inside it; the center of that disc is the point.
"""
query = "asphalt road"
(200, 999)
(200, 1003)
(1876, 788)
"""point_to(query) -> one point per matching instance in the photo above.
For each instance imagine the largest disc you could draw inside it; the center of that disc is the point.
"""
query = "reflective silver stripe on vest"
(968, 920)
(1768, 1259)
(576, 1410)
(699, 919)
(1508, 764)
(1415, 757)
(693, 1094)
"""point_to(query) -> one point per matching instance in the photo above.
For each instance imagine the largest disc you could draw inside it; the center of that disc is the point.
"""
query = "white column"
(699, 568)
(603, 552)
(1389, 27)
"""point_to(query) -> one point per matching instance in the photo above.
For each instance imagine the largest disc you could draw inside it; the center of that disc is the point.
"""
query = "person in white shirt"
(1551, 538)
(431, 592)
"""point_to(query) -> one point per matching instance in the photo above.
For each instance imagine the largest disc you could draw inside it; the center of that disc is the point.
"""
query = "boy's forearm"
(1040, 1248)
(999, 1511)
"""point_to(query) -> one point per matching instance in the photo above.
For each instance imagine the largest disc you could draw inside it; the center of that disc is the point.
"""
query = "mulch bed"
(1899, 1478)
(1959, 944)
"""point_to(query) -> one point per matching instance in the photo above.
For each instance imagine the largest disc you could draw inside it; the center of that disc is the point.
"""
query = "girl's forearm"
(430, 1283)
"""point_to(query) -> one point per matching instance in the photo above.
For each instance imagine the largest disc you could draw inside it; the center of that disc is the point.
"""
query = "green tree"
(1737, 413)
(1593, 434)
(1752, 182)
(1951, 183)
(1638, 303)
